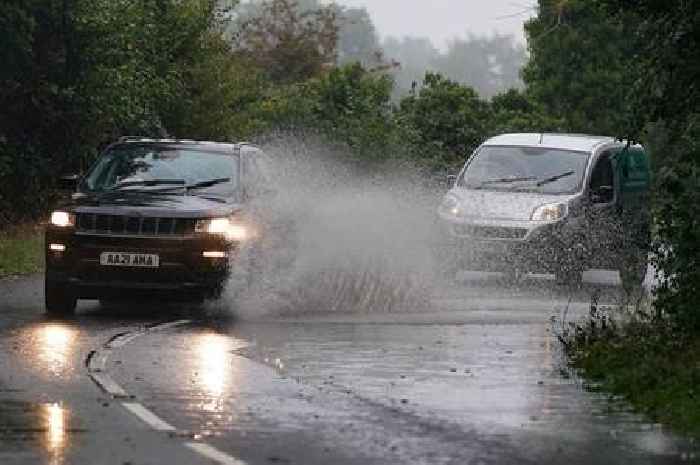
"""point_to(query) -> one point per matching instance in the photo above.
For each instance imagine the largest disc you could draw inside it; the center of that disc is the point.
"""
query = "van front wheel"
(633, 271)
(568, 277)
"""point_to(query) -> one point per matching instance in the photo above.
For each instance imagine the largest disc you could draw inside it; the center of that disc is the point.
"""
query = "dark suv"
(152, 218)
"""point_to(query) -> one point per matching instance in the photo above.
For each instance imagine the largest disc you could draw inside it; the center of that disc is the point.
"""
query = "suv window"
(157, 167)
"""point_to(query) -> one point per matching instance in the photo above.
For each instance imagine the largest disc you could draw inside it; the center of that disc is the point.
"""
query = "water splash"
(338, 236)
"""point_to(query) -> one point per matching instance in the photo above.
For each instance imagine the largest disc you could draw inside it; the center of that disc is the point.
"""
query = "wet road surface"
(477, 379)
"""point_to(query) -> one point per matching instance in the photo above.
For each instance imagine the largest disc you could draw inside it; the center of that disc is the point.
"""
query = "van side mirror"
(68, 182)
(602, 194)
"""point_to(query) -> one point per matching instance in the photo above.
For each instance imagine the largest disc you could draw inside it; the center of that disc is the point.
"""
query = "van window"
(602, 182)
(603, 174)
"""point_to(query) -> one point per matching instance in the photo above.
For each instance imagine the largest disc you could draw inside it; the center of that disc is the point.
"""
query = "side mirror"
(602, 194)
(68, 182)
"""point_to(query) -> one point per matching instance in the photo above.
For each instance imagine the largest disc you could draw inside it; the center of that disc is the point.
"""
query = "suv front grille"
(132, 225)
(491, 232)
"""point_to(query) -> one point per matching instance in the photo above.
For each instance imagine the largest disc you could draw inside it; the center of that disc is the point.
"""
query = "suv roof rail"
(167, 139)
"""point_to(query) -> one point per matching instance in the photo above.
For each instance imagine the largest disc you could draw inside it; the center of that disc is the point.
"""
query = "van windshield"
(525, 169)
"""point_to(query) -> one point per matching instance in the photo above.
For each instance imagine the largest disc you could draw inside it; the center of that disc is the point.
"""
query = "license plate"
(142, 260)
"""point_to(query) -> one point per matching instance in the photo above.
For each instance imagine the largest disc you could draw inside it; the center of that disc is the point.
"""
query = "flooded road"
(477, 378)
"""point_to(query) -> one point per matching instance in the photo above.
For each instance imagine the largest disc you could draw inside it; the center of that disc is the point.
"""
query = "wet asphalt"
(477, 378)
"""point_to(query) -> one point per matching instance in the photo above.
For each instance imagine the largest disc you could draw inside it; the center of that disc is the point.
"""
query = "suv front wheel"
(59, 299)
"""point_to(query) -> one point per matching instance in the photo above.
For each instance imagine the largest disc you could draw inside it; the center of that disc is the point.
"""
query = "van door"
(634, 195)
(603, 218)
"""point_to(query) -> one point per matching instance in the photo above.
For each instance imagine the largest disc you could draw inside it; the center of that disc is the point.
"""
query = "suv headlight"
(450, 204)
(62, 219)
(549, 212)
(226, 227)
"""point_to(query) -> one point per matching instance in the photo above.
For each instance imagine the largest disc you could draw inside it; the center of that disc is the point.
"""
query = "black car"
(152, 218)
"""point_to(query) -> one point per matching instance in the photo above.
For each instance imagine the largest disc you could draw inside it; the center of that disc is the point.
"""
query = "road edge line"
(148, 417)
(214, 454)
(96, 364)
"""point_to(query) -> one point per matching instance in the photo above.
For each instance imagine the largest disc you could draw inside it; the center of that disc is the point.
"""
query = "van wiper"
(555, 178)
(208, 183)
(507, 180)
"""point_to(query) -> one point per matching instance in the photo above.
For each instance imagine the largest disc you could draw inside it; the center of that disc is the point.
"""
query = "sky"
(441, 20)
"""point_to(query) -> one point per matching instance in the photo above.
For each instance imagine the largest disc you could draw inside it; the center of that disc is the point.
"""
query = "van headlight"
(62, 219)
(450, 205)
(226, 227)
(549, 212)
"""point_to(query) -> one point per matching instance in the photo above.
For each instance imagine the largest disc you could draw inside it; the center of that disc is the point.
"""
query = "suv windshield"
(154, 168)
(525, 169)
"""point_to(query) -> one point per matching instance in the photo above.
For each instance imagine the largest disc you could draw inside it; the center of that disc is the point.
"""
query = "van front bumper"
(503, 246)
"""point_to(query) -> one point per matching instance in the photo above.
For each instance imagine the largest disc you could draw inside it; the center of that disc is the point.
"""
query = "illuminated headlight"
(450, 205)
(224, 227)
(549, 212)
(62, 219)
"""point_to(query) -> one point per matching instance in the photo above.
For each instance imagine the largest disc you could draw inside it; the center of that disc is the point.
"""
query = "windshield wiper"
(508, 180)
(151, 182)
(208, 183)
(555, 178)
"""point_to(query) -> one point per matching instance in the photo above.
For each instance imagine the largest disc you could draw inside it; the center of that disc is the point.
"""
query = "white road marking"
(108, 384)
(97, 366)
(123, 340)
(214, 454)
(148, 417)
(170, 324)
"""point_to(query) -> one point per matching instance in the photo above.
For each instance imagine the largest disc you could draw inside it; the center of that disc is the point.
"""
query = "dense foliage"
(665, 110)
(577, 63)
(78, 73)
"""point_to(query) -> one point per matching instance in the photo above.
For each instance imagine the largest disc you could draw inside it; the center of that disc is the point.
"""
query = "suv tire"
(59, 300)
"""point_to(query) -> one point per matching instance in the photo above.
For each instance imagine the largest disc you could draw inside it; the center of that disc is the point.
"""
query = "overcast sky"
(441, 20)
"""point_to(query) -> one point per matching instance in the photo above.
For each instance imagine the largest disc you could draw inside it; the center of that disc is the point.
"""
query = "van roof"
(579, 142)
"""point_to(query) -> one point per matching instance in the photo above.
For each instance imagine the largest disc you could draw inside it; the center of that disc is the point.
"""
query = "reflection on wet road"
(477, 379)
(55, 416)
(54, 343)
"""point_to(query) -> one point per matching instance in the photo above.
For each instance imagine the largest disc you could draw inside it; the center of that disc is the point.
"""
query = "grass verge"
(21, 251)
(647, 362)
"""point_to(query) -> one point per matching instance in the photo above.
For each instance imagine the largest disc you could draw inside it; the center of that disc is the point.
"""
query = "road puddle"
(48, 427)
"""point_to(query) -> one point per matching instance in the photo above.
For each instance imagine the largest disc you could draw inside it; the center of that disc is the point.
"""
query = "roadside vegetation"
(631, 68)
(77, 74)
(21, 251)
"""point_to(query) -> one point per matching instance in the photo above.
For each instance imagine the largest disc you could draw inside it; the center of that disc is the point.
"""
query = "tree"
(288, 43)
(358, 41)
(78, 73)
(576, 66)
(488, 64)
(415, 56)
(514, 111)
(663, 108)
(447, 120)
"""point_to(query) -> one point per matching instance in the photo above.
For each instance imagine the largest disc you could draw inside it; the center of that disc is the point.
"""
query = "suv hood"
(152, 205)
(500, 205)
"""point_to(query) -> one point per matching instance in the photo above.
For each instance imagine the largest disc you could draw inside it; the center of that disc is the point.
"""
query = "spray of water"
(337, 236)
